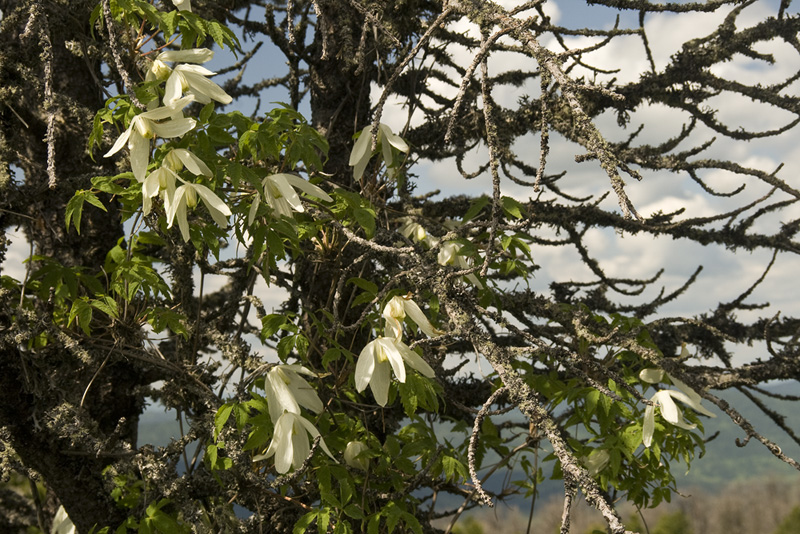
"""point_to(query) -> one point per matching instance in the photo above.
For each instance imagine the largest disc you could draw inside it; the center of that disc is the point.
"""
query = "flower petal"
(140, 155)
(415, 360)
(652, 375)
(416, 315)
(216, 207)
(192, 163)
(300, 445)
(649, 425)
(173, 128)
(352, 452)
(380, 382)
(174, 88)
(183, 5)
(361, 149)
(691, 402)
(168, 111)
(193, 55)
(307, 187)
(670, 411)
(281, 182)
(311, 429)
(120, 142)
(282, 445)
(391, 350)
(198, 83)
(393, 139)
(279, 397)
(365, 366)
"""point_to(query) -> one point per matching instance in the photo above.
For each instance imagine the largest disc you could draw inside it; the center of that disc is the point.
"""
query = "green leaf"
(169, 22)
(270, 324)
(221, 417)
(74, 208)
(81, 312)
(475, 208)
(354, 511)
(365, 218)
(513, 208)
(107, 305)
(304, 522)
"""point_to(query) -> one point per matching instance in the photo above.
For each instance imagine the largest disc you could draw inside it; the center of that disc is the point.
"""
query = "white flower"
(410, 228)
(183, 5)
(395, 312)
(189, 79)
(145, 126)
(351, 452)
(178, 158)
(287, 391)
(448, 255)
(163, 179)
(664, 400)
(62, 524)
(378, 358)
(279, 190)
(159, 70)
(186, 197)
(160, 179)
(290, 442)
(361, 153)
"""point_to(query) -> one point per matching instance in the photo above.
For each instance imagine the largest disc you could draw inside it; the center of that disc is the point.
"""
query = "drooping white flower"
(192, 80)
(290, 444)
(351, 452)
(412, 229)
(362, 153)
(159, 70)
(185, 197)
(379, 358)
(162, 180)
(183, 5)
(178, 158)
(664, 400)
(187, 76)
(166, 122)
(287, 391)
(62, 524)
(449, 255)
(395, 312)
(280, 194)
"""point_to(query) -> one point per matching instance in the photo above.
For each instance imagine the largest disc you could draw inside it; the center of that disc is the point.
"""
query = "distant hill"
(724, 462)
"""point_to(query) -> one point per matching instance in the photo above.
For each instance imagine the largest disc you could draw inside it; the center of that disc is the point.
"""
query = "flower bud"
(353, 449)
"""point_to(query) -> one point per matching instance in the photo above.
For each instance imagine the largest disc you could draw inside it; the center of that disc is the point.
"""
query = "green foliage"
(470, 525)
(790, 523)
(673, 523)
(75, 207)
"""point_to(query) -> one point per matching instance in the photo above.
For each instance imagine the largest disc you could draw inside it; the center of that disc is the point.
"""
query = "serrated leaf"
(366, 220)
(475, 208)
(107, 305)
(270, 324)
(513, 208)
(304, 522)
(221, 417)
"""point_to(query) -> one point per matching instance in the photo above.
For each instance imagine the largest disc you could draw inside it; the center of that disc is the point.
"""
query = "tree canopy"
(454, 324)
